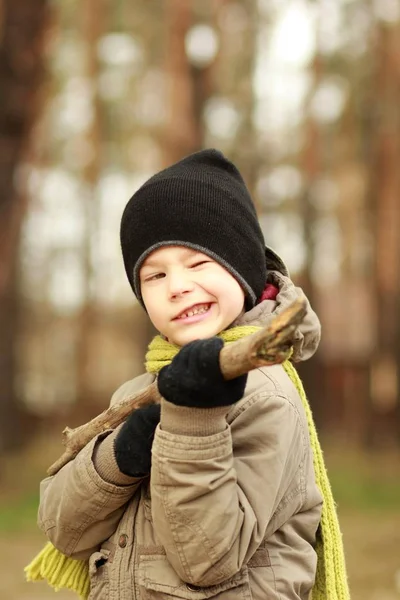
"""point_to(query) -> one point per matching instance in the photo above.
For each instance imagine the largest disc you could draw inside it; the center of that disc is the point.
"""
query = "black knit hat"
(200, 202)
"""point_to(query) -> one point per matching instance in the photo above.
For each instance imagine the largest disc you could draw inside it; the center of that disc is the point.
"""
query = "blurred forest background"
(95, 96)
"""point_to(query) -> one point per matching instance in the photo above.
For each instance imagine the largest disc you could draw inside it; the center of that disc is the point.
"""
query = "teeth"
(196, 311)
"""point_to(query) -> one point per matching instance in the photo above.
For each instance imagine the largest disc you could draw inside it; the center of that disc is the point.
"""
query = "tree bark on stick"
(271, 345)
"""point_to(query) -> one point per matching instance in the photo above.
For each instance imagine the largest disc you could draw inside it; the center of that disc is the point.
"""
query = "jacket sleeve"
(79, 509)
(218, 489)
(81, 505)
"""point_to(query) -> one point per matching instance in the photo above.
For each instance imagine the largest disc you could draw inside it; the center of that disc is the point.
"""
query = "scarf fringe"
(61, 571)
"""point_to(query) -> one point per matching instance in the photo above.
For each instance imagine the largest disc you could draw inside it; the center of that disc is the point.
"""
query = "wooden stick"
(271, 345)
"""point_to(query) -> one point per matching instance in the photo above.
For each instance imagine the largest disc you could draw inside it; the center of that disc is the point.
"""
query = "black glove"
(132, 446)
(194, 377)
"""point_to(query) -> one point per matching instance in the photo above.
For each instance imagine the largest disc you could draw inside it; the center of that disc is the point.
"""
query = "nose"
(179, 284)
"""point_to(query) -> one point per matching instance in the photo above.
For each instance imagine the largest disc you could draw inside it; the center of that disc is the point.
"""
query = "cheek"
(150, 305)
(236, 297)
(237, 300)
(228, 291)
(157, 318)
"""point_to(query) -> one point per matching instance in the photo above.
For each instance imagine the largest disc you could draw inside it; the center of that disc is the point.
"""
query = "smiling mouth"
(198, 309)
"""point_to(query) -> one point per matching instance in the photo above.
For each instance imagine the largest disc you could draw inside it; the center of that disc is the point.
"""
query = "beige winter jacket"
(230, 511)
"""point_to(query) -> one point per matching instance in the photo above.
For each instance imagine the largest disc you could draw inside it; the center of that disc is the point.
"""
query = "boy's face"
(188, 295)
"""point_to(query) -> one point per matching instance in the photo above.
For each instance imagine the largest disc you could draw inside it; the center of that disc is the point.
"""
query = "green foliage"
(19, 515)
(361, 491)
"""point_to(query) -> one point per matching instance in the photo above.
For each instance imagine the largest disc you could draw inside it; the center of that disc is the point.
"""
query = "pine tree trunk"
(21, 71)
(92, 15)
(183, 129)
(385, 181)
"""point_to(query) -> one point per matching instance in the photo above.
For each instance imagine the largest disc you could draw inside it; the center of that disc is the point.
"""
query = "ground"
(372, 543)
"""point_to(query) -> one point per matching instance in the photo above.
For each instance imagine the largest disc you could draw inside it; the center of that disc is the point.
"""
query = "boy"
(212, 494)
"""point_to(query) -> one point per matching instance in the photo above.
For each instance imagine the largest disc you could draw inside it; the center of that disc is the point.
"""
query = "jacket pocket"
(158, 580)
(98, 573)
(147, 504)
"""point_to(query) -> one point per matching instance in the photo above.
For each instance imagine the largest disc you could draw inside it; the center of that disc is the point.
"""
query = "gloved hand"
(132, 446)
(194, 377)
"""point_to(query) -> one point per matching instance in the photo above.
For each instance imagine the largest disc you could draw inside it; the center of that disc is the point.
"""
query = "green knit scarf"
(61, 571)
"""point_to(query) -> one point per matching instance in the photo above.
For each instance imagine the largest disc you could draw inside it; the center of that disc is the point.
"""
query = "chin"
(182, 340)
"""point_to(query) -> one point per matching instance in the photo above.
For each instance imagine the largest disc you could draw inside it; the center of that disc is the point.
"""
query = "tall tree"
(22, 30)
(189, 84)
(92, 28)
(385, 189)
(181, 131)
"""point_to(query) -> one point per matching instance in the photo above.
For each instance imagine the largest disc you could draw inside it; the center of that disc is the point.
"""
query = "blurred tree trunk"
(22, 30)
(92, 27)
(310, 166)
(385, 193)
(182, 134)
(188, 86)
(246, 151)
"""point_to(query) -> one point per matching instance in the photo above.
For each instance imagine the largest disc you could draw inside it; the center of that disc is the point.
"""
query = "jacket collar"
(307, 336)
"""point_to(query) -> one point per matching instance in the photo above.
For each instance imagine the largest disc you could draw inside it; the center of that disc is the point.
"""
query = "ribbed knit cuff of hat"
(197, 422)
(105, 463)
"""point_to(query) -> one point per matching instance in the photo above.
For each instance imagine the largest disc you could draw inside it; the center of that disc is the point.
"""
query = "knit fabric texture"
(331, 578)
(194, 378)
(203, 203)
(132, 446)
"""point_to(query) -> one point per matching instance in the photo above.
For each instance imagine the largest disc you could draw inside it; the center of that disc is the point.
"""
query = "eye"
(199, 263)
(154, 277)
